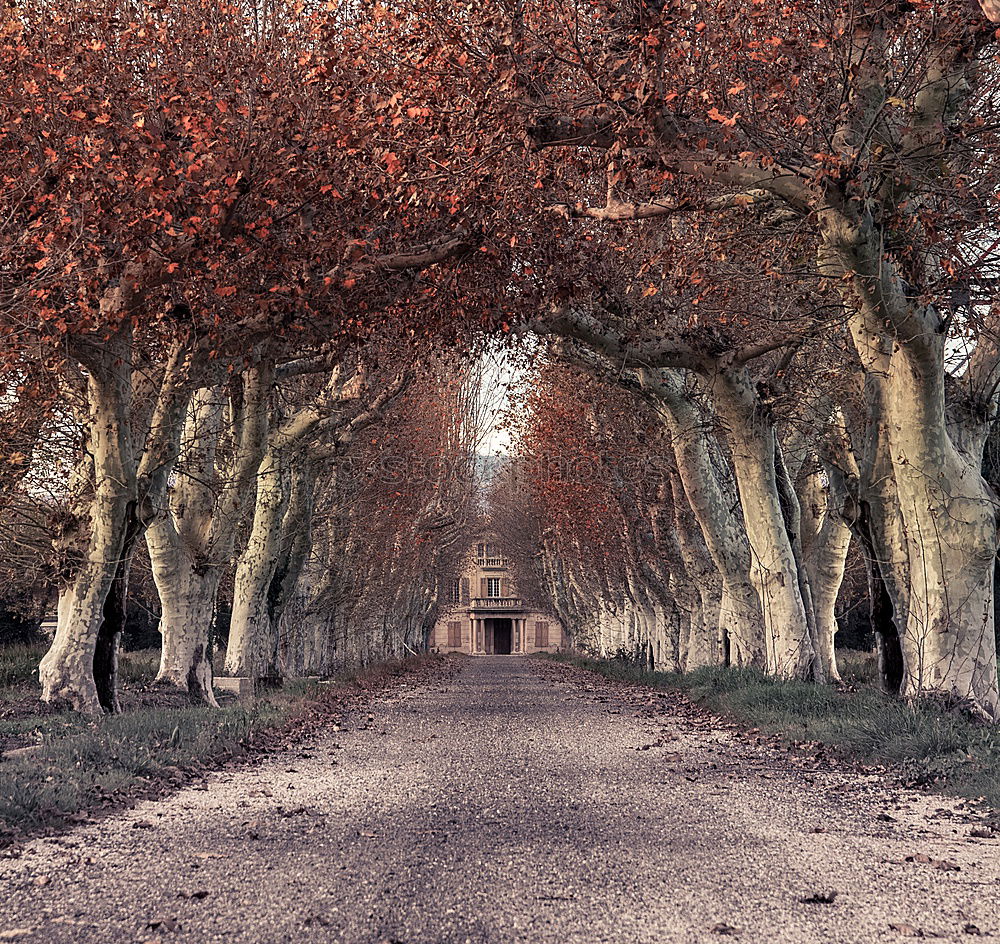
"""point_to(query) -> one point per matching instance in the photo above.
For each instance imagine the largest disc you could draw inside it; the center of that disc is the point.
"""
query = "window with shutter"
(465, 589)
(455, 634)
(541, 635)
(456, 590)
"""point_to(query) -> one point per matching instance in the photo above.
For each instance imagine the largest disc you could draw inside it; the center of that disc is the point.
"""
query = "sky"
(502, 373)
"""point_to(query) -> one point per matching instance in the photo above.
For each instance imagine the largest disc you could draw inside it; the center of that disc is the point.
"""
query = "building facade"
(483, 613)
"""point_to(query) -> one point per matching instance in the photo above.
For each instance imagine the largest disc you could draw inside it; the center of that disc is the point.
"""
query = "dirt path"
(519, 801)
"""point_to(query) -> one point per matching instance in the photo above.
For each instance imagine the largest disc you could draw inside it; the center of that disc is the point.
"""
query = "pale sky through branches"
(501, 374)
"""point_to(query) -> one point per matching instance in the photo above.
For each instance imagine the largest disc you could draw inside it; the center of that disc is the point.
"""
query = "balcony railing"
(497, 603)
(492, 562)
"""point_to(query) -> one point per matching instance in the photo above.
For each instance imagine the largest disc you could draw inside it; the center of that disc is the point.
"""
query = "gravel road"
(516, 801)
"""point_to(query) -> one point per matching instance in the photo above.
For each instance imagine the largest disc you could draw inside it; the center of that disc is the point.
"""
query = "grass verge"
(67, 768)
(929, 747)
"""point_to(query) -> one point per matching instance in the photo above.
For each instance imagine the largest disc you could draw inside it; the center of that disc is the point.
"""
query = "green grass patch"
(926, 744)
(19, 666)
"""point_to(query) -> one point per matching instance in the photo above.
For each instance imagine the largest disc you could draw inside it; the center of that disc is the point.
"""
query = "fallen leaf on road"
(820, 898)
(972, 929)
(908, 930)
(42, 880)
(164, 924)
(942, 865)
(982, 832)
(142, 824)
(210, 855)
(14, 933)
(723, 928)
(199, 894)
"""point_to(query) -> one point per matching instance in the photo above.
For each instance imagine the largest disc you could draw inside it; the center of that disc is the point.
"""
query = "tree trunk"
(187, 590)
(949, 648)
(293, 550)
(114, 616)
(791, 511)
(191, 541)
(879, 526)
(251, 633)
(713, 500)
(773, 569)
(702, 644)
(881, 612)
(67, 669)
(946, 509)
(825, 541)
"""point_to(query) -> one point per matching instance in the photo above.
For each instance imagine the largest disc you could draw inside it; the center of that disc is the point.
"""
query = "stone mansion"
(483, 614)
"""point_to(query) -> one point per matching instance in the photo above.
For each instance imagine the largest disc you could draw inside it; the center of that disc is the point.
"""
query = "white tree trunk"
(187, 592)
(948, 512)
(880, 527)
(309, 621)
(184, 545)
(825, 541)
(67, 670)
(703, 643)
(950, 517)
(191, 541)
(713, 502)
(251, 633)
(773, 568)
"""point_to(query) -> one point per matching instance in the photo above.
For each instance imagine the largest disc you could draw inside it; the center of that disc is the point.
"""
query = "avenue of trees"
(251, 253)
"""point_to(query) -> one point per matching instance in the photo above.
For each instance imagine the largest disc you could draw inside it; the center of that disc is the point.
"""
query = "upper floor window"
(456, 590)
(493, 586)
(482, 550)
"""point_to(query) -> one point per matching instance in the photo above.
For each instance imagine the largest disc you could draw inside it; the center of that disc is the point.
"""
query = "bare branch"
(616, 211)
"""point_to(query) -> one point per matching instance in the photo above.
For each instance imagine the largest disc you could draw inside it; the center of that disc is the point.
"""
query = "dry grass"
(65, 767)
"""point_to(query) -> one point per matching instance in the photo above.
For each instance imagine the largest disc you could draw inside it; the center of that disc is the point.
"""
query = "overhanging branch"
(667, 206)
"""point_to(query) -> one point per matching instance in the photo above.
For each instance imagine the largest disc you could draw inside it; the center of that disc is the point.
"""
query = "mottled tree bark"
(774, 570)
